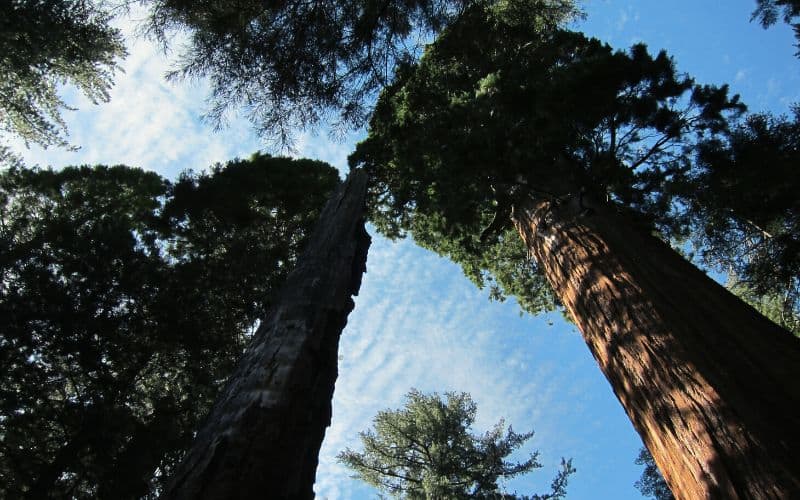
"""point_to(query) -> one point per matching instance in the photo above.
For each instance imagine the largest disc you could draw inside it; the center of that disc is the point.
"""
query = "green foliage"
(294, 64)
(46, 44)
(769, 11)
(505, 107)
(426, 450)
(125, 302)
(248, 215)
(771, 305)
(652, 483)
(741, 199)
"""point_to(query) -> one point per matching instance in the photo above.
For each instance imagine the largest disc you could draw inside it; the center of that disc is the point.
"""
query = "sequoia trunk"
(264, 432)
(709, 384)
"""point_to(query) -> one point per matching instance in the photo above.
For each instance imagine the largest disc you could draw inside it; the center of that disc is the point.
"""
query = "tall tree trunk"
(709, 383)
(264, 432)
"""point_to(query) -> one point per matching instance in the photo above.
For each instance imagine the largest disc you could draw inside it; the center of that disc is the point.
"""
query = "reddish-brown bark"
(263, 435)
(709, 384)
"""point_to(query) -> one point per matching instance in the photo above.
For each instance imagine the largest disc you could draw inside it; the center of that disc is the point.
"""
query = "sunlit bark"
(709, 384)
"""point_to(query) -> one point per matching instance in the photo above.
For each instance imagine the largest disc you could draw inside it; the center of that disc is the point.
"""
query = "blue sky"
(418, 322)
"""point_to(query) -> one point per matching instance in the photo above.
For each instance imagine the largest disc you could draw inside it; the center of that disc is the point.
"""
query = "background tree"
(768, 12)
(652, 483)
(125, 302)
(505, 120)
(46, 44)
(772, 306)
(740, 199)
(293, 64)
(427, 450)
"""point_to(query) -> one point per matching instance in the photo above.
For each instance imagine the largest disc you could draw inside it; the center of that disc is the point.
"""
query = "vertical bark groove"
(262, 437)
(708, 383)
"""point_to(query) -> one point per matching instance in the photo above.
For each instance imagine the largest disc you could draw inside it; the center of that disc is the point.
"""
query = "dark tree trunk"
(709, 383)
(264, 432)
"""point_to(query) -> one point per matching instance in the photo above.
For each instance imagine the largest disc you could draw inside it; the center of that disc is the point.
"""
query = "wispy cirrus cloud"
(419, 323)
(148, 122)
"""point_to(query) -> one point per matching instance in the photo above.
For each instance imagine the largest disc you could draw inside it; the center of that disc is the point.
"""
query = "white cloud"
(741, 76)
(625, 16)
(157, 125)
(419, 323)
(622, 20)
(321, 146)
(148, 122)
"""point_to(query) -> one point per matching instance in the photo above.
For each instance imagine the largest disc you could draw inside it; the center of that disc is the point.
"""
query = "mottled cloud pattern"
(419, 323)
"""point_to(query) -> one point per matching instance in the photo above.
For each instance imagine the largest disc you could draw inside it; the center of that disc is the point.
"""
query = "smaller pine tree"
(426, 450)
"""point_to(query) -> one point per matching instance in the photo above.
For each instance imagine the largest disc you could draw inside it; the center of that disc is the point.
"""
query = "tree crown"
(503, 107)
(426, 450)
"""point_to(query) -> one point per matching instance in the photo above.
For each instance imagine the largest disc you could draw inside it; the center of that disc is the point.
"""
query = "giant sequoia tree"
(502, 122)
(125, 302)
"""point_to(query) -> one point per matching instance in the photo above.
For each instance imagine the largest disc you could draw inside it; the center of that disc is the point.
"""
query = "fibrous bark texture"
(263, 435)
(709, 384)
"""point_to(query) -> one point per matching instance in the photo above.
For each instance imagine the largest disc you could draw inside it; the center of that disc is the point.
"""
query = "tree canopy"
(125, 303)
(294, 64)
(46, 44)
(741, 201)
(427, 450)
(502, 107)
